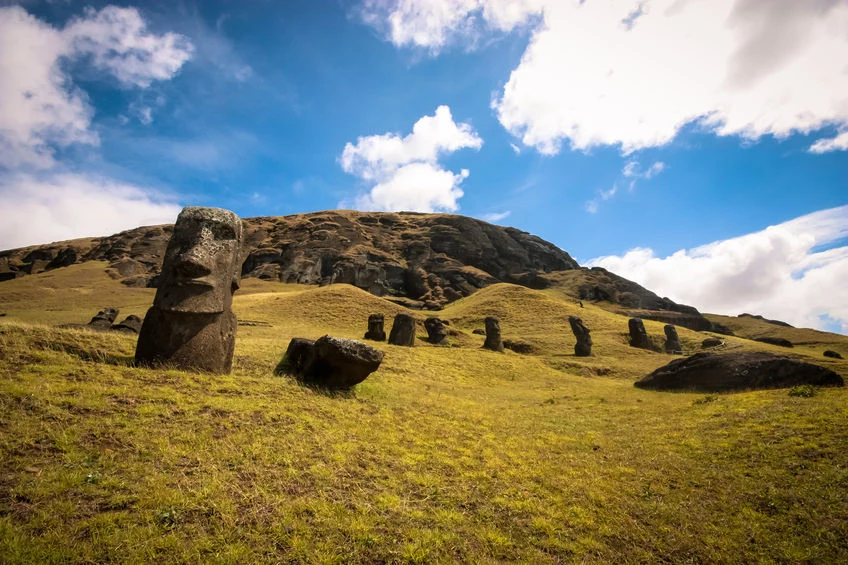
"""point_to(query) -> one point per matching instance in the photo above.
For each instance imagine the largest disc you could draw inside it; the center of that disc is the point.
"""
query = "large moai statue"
(375, 328)
(403, 330)
(191, 324)
(672, 341)
(583, 347)
(638, 335)
(493, 334)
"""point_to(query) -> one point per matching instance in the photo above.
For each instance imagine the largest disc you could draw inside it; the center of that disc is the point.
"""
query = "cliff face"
(430, 258)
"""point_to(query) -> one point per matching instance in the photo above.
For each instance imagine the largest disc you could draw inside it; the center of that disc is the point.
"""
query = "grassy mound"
(444, 454)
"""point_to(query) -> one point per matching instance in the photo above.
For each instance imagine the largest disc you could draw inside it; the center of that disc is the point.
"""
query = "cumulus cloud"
(405, 171)
(838, 143)
(35, 210)
(40, 107)
(633, 74)
(794, 271)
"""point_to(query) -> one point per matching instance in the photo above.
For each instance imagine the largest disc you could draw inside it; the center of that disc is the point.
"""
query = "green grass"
(445, 454)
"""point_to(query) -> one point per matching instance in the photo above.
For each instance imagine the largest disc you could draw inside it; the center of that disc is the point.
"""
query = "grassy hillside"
(444, 454)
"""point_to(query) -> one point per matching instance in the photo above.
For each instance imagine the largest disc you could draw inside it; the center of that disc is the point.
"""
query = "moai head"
(202, 264)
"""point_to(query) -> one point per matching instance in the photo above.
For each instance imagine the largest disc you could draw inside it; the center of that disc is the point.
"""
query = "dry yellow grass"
(445, 454)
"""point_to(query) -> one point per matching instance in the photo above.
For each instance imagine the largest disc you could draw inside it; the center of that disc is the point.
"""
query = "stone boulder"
(638, 335)
(493, 334)
(672, 341)
(130, 324)
(583, 347)
(103, 320)
(478, 331)
(437, 332)
(376, 331)
(403, 330)
(832, 354)
(330, 362)
(717, 372)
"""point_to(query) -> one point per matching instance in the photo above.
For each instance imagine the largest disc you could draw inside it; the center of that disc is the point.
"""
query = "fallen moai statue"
(330, 362)
(716, 372)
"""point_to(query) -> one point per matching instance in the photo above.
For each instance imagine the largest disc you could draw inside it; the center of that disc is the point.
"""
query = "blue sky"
(637, 135)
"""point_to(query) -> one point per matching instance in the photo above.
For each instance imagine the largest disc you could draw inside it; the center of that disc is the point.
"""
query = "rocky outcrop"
(711, 342)
(432, 259)
(758, 317)
(493, 334)
(403, 330)
(832, 354)
(714, 372)
(583, 347)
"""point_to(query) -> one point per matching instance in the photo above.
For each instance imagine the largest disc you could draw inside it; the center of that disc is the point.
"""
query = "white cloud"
(794, 271)
(496, 217)
(632, 170)
(40, 107)
(35, 210)
(515, 148)
(838, 143)
(620, 73)
(405, 171)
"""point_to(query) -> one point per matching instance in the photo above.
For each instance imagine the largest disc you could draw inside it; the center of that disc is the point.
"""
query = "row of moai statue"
(191, 324)
(639, 337)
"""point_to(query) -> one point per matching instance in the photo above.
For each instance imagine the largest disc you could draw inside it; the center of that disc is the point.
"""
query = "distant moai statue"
(583, 347)
(103, 319)
(638, 335)
(191, 324)
(403, 330)
(493, 334)
(672, 341)
(437, 332)
(375, 328)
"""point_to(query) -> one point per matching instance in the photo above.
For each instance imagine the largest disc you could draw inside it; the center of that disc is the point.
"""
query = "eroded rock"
(716, 372)
(331, 362)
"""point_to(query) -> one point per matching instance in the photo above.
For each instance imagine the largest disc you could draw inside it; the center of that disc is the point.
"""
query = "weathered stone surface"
(672, 341)
(638, 335)
(583, 347)
(716, 372)
(711, 342)
(478, 331)
(298, 356)
(403, 330)
(758, 317)
(437, 333)
(64, 258)
(375, 328)
(130, 324)
(103, 320)
(832, 354)
(779, 341)
(191, 324)
(331, 362)
(493, 334)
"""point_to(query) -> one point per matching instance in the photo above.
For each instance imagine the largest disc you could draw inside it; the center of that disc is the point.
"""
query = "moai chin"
(191, 324)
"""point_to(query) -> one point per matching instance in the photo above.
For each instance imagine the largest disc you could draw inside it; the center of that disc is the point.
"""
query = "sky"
(698, 147)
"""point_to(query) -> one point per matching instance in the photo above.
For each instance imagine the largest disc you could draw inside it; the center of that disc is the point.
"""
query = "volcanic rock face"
(191, 324)
(493, 334)
(403, 330)
(714, 372)
(583, 347)
(375, 328)
(431, 258)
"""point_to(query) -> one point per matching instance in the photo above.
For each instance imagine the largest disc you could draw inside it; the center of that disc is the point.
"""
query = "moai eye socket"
(222, 231)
